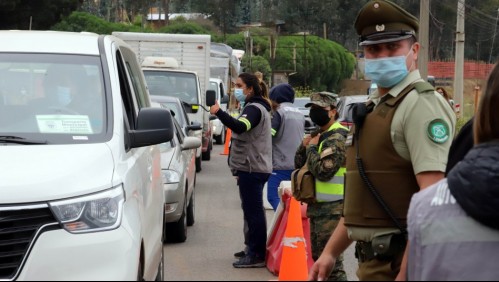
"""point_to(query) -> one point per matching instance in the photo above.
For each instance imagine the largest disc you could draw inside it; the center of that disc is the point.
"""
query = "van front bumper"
(60, 255)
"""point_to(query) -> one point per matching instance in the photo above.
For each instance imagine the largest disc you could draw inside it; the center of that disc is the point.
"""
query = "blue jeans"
(251, 190)
(273, 186)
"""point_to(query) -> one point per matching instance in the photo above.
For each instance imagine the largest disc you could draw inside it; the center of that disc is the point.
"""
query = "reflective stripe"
(456, 229)
(246, 122)
(332, 190)
(273, 131)
(328, 198)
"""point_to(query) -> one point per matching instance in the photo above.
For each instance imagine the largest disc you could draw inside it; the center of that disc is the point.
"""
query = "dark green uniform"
(324, 216)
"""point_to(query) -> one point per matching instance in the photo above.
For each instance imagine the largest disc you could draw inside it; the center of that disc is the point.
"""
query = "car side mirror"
(211, 98)
(195, 126)
(154, 126)
(191, 143)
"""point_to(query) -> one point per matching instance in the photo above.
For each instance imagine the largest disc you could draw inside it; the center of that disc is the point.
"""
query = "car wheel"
(198, 164)
(176, 232)
(221, 138)
(191, 210)
(161, 268)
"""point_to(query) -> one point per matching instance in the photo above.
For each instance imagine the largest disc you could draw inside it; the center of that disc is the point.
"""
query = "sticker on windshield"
(64, 124)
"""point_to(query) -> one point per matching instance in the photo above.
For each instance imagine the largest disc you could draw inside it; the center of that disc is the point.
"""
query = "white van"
(222, 97)
(80, 182)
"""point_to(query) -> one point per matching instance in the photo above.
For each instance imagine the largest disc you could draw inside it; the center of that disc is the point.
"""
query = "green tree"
(37, 14)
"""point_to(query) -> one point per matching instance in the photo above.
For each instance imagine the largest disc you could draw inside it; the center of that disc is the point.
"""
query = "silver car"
(178, 163)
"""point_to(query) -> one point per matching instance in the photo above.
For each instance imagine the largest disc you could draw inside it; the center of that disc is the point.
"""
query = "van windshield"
(173, 84)
(56, 98)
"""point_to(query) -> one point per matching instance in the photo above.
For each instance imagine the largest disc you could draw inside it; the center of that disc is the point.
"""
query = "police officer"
(325, 156)
(399, 147)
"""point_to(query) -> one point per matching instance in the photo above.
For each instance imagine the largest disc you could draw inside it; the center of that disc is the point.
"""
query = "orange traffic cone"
(294, 265)
(228, 136)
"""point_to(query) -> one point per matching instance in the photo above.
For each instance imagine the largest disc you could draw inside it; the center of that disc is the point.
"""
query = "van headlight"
(93, 213)
(170, 176)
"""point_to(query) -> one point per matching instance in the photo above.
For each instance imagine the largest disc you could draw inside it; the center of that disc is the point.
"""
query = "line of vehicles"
(95, 174)
(101, 137)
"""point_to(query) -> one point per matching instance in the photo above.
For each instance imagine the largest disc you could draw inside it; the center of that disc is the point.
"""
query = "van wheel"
(190, 211)
(176, 232)
(221, 138)
(198, 164)
(161, 268)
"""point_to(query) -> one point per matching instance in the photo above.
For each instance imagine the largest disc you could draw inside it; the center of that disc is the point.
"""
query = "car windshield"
(175, 108)
(301, 102)
(56, 98)
(173, 84)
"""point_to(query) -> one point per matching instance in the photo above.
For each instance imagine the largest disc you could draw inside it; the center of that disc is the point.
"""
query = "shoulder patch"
(438, 131)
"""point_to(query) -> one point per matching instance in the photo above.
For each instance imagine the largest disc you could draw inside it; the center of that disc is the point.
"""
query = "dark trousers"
(251, 191)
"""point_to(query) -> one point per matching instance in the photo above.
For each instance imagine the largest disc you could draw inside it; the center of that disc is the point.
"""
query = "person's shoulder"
(427, 196)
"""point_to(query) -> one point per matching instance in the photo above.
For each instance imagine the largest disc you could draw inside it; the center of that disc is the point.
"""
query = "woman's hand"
(215, 108)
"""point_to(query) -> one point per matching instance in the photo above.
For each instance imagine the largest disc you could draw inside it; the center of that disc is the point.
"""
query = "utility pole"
(459, 67)
(424, 34)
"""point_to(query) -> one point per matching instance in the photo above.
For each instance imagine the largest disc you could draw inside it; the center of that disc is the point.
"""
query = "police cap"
(322, 99)
(381, 21)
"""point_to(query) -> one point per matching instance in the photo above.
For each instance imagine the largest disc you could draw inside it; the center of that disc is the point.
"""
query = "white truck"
(224, 69)
(188, 80)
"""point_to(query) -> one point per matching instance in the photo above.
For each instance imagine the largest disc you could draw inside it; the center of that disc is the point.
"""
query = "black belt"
(383, 248)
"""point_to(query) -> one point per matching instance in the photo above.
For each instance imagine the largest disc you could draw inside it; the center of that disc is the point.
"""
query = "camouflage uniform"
(324, 217)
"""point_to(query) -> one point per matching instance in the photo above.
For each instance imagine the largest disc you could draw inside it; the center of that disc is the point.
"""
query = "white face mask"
(388, 72)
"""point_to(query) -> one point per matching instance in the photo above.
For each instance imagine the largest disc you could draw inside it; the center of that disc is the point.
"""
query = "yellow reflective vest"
(332, 190)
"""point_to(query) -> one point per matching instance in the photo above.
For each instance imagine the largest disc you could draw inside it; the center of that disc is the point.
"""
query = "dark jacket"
(474, 183)
(460, 146)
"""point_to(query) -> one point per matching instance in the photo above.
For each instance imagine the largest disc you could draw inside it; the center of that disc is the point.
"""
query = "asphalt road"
(217, 233)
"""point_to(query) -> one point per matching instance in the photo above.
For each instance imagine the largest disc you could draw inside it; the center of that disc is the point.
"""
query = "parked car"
(178, 164)
(80, 173)
(345, 104)
(300, 104)
(177, 107)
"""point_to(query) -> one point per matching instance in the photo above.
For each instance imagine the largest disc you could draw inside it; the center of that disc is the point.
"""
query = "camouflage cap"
(381, 21)
(322, 99)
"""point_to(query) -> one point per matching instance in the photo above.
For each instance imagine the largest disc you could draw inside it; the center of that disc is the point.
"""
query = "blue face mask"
(64, 95)
(238, 92)
(387, 72)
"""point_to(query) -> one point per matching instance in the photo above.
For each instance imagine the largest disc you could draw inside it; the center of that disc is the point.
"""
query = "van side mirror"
(195, 126)
(154, 126)
(211, 98)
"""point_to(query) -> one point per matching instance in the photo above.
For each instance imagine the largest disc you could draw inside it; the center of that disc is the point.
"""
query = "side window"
(136, 77)
(180, 134)
(129, 103)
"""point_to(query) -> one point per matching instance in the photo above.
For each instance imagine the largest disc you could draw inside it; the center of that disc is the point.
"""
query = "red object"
(274, 243)
(228, 137)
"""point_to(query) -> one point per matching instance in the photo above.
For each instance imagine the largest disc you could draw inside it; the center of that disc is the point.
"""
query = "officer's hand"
(322, 268)
(215, 108)
(306, 140)
(315, 140)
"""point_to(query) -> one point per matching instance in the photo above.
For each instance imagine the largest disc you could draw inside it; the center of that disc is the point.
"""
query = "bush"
(80, 21)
